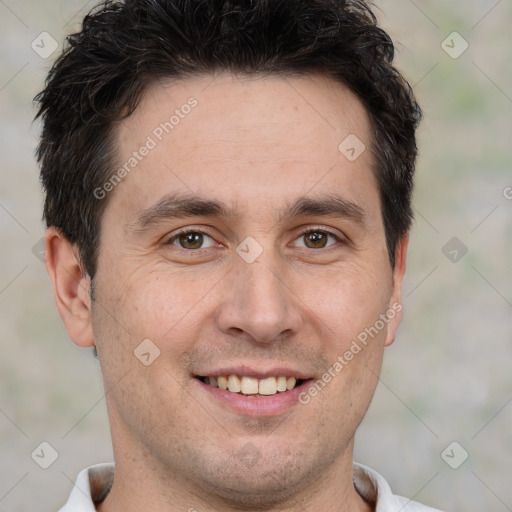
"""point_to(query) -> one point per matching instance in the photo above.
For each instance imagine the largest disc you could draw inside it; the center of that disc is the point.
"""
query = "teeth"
(268, 386)
(252, 386)
(249, 386)
(281, 384)
(234, 384)
(290, 382)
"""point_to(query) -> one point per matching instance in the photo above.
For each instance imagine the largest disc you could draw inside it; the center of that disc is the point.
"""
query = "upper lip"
(247, 371)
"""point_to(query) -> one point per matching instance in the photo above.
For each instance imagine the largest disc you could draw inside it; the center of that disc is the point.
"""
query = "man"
(228, 190)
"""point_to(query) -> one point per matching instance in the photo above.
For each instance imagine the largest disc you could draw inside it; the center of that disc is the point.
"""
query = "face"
(243, 243)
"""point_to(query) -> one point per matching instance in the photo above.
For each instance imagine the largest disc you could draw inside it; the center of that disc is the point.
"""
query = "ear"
(71, 286)
(395, 302)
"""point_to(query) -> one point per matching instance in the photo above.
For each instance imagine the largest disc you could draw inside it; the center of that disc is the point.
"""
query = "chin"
(258, 492)
(264, 484)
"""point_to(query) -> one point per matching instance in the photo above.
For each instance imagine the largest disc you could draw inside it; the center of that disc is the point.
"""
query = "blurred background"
(440, 426)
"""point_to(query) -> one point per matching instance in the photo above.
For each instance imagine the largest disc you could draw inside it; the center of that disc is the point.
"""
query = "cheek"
(155, 307)
(160, 305)
(346, 300)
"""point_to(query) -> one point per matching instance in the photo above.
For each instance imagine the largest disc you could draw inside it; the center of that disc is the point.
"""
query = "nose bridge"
(258, 302)
(261, 286)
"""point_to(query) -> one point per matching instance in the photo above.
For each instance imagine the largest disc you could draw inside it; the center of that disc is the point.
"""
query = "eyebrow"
(178, 206)
(328, 206)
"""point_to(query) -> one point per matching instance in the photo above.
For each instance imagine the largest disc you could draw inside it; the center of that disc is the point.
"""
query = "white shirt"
(92, 484)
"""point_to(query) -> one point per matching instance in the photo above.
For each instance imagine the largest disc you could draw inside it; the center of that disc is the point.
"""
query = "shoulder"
(91, 484)
(374, 488)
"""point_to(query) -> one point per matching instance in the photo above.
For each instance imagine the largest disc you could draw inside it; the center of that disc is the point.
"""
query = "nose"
(258, 304)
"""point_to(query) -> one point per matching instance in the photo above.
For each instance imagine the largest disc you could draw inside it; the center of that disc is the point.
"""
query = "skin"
(256, 144)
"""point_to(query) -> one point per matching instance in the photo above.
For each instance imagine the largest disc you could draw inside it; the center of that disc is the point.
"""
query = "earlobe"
(395, 304)
(71, 286)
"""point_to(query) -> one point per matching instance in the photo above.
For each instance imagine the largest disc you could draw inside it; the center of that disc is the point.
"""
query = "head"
(234, 181)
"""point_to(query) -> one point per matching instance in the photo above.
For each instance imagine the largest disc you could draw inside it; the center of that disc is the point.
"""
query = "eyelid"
(323, 229)
(169, 240)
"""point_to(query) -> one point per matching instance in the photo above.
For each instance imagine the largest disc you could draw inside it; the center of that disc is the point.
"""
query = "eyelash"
(201, 232)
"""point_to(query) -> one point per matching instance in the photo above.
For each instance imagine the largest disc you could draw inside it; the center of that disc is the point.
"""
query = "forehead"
(270, 137)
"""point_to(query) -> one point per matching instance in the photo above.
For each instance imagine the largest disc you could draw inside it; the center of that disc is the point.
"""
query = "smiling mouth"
(251, 386)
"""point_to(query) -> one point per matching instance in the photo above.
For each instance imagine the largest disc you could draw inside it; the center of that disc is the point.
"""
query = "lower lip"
(261, 406)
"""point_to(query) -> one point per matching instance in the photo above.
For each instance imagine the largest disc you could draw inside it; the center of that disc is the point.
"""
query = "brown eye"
(316, 240)
(192, 240)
